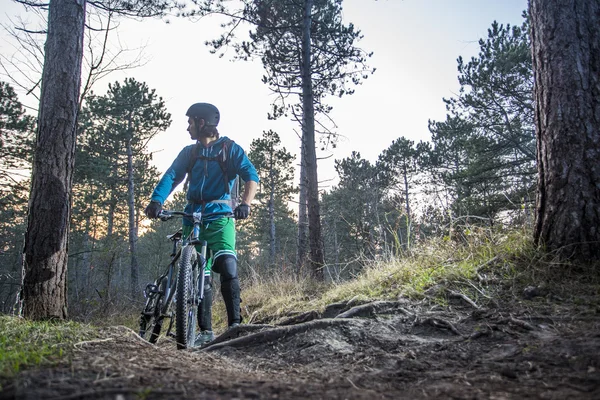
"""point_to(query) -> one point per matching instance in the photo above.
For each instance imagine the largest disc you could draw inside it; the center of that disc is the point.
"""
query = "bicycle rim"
(186, 312)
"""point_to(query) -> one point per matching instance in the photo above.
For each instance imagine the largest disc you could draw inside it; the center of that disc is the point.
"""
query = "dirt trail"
(541, 348)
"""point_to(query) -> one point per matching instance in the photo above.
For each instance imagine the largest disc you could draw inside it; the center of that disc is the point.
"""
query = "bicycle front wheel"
(186, 311)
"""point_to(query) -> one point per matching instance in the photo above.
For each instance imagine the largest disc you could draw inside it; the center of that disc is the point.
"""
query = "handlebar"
(166, 215)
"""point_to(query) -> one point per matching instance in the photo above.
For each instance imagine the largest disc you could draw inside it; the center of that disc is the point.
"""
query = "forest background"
(476, 168)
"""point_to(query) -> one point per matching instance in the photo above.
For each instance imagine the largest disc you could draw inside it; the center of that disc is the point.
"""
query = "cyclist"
(211, 165)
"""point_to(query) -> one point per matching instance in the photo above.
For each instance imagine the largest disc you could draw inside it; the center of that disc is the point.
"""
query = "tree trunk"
(302, 212)
(134, 282)
(272, 212)
(565, 38)
(317, 259)
(110, 217)
(408, 220)
(86, 257)
(46, 239)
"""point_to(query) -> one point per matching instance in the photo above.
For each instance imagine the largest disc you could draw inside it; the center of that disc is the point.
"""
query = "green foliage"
(129, 112)
(16, 139)
(122, 120)
(275, 37)
(351, 212)
(16, 150)
(485, 151)
(269, 237)
(25, 344)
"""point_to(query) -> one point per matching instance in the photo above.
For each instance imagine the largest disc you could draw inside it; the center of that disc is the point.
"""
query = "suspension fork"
(201, 268)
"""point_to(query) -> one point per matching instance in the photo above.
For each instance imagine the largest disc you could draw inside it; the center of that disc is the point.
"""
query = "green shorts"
(220, 239)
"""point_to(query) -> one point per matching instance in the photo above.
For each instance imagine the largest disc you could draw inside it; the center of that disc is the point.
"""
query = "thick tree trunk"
(317, 259)
(565, 37)
(46, 239)
(134, 282)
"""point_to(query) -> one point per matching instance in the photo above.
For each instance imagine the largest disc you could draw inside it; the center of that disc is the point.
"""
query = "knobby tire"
(186, 312)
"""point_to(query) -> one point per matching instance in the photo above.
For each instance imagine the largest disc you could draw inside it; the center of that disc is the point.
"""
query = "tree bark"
(408, 219)
(134, 282)
(317, 259)
(302, 212)
(272, 210)
(565, 38)
(46, 239)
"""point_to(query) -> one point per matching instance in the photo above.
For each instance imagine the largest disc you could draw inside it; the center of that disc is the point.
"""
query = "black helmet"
(208, 112)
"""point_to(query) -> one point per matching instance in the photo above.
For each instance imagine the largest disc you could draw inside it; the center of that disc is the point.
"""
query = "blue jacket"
(206, 182)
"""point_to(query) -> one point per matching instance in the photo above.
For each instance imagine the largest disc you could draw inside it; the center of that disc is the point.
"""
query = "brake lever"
(163, 216)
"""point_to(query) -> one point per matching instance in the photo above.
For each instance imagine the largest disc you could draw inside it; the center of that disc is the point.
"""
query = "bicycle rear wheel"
(186, 311)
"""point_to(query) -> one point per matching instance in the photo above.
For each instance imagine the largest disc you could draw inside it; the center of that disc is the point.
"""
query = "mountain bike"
(177, 293)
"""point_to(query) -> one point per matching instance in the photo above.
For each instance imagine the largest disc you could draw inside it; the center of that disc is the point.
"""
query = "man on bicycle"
(211, 165)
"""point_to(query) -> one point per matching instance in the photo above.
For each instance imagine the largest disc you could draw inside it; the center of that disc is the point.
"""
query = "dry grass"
(476, 265)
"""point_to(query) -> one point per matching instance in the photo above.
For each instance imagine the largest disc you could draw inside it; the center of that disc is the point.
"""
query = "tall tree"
(276, 171)
(352, 210)
(565, 37)
(125, 119)
(485, 149)
(16, 148)
(308, 52)
(44, 283)
(399, 164)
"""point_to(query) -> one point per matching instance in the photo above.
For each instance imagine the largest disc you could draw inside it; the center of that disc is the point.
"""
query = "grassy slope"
(25, 343)
(479, 266)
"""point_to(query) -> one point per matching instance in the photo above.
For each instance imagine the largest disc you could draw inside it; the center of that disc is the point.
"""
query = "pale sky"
(415, 44)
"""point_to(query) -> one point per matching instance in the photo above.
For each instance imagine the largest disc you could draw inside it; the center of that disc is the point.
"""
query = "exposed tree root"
(271, 335)
(333, 309)
(300, 318)
(372, 309)
(438, 323)
(517, 322)
(464, 297)
(236, 332)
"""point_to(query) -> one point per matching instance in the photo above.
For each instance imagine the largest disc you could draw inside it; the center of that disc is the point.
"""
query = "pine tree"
(485, 149)
(16, 149)
(273, 220)
(118, 126)
(565, 38)
(307, 52)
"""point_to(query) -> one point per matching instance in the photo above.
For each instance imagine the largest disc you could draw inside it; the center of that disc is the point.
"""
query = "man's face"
(191, 127)
(194, 128)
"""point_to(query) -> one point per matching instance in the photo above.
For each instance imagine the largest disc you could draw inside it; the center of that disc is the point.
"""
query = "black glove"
(242, 211)
(153, 209)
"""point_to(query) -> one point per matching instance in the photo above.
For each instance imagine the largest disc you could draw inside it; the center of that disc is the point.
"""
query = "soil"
(528, 346)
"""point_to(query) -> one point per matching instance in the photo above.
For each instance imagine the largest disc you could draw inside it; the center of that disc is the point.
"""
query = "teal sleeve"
(172, 177)
(242, 165)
